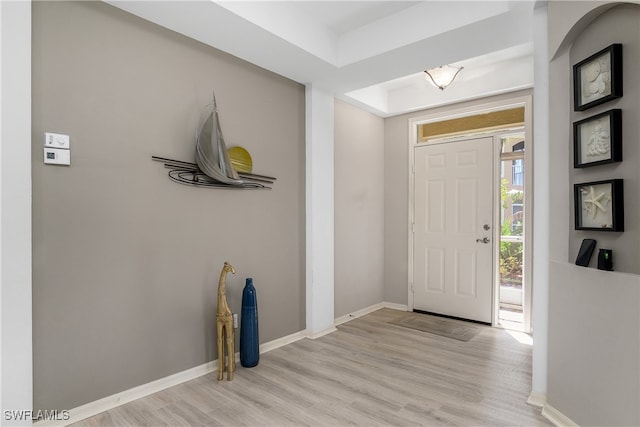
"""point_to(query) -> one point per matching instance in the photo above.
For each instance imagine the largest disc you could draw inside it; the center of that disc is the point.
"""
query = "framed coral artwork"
(598, 78)
(599, 205)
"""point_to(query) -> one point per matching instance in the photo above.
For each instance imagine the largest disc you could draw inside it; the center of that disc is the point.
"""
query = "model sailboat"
(213, 168)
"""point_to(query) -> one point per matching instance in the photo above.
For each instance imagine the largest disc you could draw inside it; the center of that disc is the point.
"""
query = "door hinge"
(412, 290)
(413, 227)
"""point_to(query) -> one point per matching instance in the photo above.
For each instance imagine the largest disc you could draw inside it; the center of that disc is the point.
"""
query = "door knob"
(483, 240)
(486, 227)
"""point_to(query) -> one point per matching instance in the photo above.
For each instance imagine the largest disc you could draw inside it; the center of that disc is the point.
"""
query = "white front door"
(453, 240)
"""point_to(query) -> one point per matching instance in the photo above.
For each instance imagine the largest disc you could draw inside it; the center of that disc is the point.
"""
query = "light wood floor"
(368, 373)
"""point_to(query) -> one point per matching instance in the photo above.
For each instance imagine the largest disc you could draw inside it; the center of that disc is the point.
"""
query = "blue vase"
(249, 342)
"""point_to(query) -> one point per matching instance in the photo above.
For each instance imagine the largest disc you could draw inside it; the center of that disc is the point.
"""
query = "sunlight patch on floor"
(521, 337)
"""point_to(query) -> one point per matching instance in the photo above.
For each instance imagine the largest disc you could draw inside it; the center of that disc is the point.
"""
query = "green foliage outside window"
(510, 257)
(510, 252)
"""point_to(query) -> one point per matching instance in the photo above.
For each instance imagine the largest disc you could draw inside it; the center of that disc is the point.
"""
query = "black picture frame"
(598, 78)
(599, 205)
(597, 140)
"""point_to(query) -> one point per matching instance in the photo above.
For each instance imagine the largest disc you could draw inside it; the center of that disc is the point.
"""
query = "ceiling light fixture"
(442, 76)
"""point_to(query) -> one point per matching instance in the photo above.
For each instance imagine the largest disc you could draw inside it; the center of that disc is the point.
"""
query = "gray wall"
(396, 193)
(625, 245)
(359, 208)
(126, 262)
(594, 316)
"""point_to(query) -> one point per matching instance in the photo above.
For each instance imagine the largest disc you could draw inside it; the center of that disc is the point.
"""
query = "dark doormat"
(450, 328)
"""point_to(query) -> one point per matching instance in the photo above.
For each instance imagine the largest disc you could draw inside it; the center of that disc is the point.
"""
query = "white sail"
(213, 167)
(211, 152)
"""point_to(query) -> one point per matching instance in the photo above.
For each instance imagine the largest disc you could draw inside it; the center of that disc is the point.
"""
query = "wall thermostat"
(57, 156)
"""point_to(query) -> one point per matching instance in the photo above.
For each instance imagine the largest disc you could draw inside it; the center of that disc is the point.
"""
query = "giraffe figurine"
(224, 326)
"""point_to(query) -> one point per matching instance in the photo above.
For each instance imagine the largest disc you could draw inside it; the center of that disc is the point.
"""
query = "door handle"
(483, 240)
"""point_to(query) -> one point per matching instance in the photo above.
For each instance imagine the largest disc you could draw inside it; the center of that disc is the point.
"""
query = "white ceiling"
(343, 16)
(369, 53)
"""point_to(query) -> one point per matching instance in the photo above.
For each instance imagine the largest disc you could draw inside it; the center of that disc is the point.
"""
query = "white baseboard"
(316, 335)
(395, 306)
(367, 310)
(280, 342)
(537, 399)
(101, 405)
(98, 406)
(556, 417)
(347, 317)
(549, 412)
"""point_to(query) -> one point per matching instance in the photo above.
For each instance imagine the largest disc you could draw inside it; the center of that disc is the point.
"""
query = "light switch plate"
(57, 156)
(56, 140)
